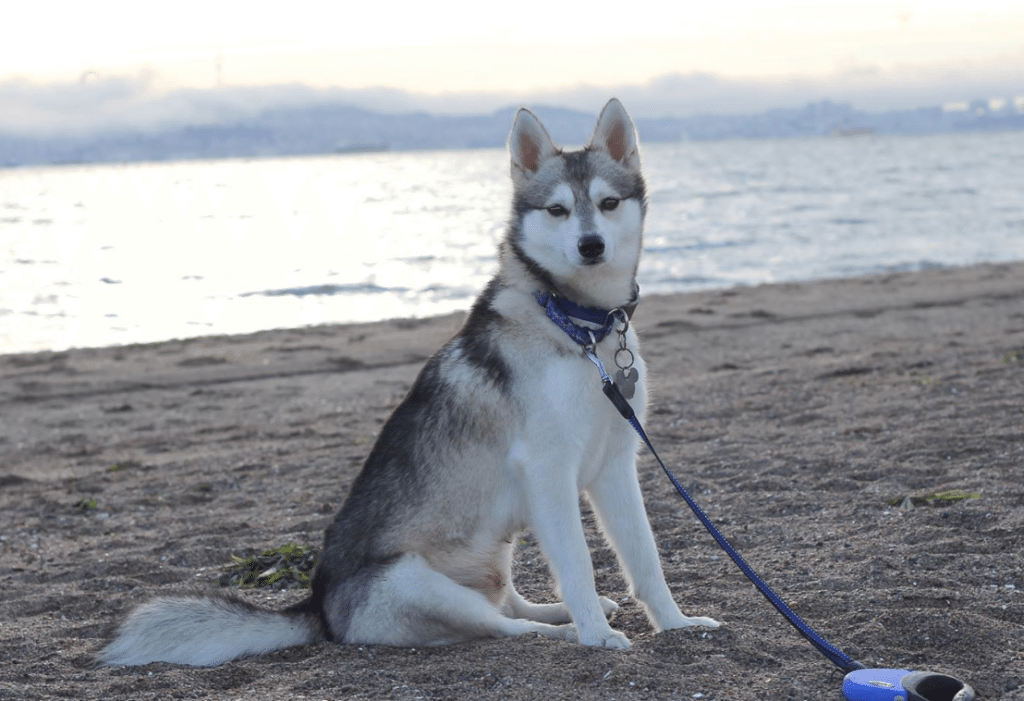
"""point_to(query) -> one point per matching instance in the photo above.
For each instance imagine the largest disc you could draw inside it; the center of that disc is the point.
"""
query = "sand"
(802, 416)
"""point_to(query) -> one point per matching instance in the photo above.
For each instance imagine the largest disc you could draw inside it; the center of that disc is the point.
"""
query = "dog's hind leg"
(410, 603)
(518, 607)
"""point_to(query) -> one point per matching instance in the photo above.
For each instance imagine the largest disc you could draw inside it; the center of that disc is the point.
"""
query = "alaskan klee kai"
(501, 432)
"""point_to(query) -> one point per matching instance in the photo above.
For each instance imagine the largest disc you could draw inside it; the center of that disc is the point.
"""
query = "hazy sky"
(515, 49)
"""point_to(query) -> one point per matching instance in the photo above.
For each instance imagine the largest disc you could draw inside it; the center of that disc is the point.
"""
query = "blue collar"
(561, 311)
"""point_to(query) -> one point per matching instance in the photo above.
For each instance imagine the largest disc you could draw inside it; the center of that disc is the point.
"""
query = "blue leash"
(860, 683)
(834, 654)
(559, 310)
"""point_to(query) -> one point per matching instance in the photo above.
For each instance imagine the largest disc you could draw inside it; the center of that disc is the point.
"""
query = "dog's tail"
(206, 631)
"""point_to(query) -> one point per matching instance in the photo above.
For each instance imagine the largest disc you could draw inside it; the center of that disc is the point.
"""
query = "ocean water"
(115, 254)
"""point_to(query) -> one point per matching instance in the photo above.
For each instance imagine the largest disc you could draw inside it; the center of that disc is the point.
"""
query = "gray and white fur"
(501, 432)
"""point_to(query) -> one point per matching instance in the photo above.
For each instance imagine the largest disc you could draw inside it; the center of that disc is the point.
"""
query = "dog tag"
(625, 380)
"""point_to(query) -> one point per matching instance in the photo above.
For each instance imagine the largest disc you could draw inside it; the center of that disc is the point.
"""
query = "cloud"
(138, 103)
(143, 103)
(81, 106)
(866, 87)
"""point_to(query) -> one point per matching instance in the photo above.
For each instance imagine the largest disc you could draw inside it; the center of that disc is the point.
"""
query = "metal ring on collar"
(620, 314)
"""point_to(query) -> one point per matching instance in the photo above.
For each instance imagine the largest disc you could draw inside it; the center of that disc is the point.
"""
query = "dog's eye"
(609, 203)
(557, 210)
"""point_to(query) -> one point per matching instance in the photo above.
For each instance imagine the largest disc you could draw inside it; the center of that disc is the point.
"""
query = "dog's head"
(578, 215)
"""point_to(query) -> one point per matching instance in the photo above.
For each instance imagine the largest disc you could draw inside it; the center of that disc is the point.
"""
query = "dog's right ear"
(530, 145)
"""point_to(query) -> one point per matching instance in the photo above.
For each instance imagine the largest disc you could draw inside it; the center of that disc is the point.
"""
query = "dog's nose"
(591, 246)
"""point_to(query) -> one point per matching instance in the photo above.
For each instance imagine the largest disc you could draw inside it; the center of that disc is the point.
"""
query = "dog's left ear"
(616, 135)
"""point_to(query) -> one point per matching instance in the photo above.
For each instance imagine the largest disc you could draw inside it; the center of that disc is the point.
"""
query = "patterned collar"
(561, 311)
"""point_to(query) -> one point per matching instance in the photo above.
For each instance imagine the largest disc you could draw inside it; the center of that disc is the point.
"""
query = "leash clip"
(590, 350)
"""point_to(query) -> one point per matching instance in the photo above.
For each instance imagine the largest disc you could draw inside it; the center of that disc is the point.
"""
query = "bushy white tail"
(203, 632)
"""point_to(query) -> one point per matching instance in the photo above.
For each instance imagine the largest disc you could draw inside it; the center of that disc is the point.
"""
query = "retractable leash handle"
(860, 683)
(904, 685)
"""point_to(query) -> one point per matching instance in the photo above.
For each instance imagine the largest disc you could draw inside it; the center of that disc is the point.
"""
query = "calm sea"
(115, 254)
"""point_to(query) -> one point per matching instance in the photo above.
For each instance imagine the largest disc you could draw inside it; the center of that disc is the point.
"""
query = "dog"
(501, 432)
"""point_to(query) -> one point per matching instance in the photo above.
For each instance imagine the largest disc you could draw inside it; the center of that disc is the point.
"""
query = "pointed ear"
(530, 145)
(616, 136)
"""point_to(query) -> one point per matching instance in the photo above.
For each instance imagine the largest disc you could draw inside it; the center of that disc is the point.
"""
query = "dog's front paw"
(704, 621)
(608, 606)
(691, 621)
(608, 639)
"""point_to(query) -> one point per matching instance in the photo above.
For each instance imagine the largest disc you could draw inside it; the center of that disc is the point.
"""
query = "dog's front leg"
(554, 510)
(619, 506)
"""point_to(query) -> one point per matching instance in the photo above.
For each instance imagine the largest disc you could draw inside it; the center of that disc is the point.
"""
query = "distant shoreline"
(344, 128)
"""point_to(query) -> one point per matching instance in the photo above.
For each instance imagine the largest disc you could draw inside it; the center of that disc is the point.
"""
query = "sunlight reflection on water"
(100, 255)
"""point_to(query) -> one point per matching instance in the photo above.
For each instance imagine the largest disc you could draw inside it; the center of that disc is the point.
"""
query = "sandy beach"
(815, 422)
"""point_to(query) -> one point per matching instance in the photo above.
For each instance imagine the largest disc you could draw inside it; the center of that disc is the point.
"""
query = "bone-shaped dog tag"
(625, 380)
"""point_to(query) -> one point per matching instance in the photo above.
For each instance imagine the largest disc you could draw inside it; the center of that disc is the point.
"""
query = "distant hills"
(339, 128)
